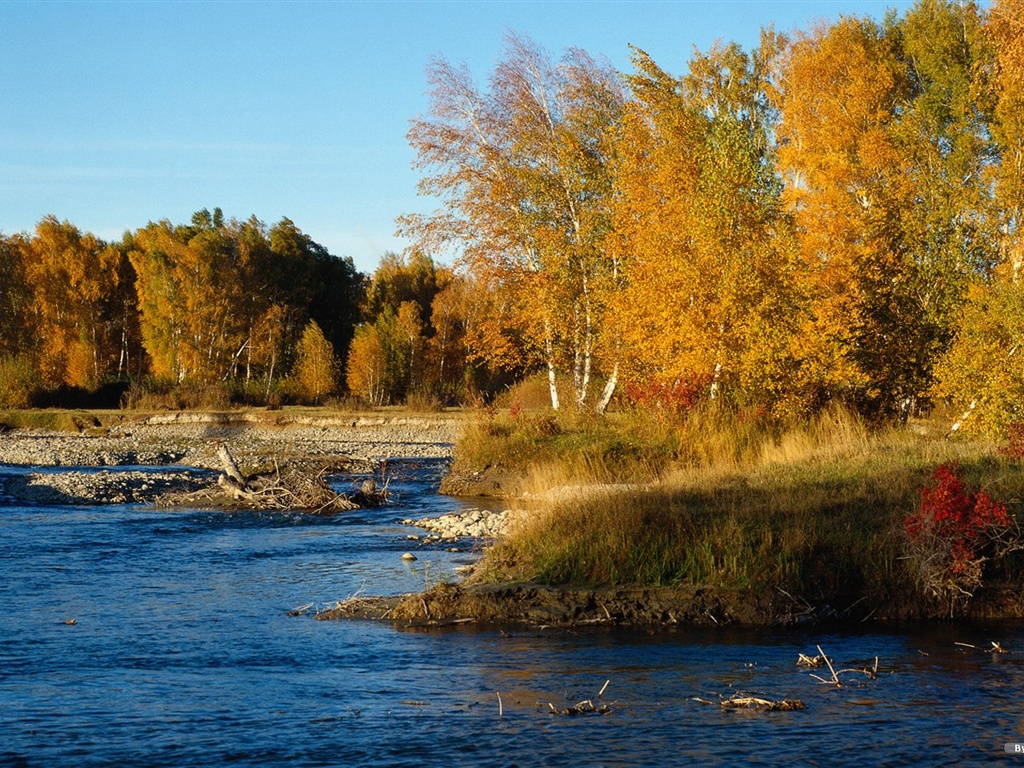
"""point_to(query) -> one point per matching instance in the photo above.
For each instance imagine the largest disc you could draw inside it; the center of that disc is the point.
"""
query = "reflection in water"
(183, 654)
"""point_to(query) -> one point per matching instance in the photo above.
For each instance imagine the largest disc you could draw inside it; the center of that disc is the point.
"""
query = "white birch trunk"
(550, 355)
(713, 391)
(609, 390)
(583, 382)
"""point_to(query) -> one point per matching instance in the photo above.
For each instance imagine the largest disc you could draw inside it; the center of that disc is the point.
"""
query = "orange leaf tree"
(700, 231)
(74, 279)
(523, 174)
(884, 148)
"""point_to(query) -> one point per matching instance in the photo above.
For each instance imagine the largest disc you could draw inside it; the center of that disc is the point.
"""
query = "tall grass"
(814, 508)
(50, 420)
(576, 447)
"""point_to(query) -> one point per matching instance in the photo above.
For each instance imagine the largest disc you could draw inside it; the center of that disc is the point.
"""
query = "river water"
(183, 654)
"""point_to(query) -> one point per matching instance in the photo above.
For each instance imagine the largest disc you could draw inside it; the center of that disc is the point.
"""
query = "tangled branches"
(953, 533)
(291, 488)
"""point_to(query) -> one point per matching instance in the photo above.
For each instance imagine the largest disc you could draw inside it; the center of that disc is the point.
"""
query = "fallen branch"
(293, 488)
(996, 647)
(743, 701)
(817, 661)
(583, 708)
(835, 677)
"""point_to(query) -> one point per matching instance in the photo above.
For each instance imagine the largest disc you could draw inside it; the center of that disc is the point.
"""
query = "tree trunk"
(550, 355)
(609, 390)
(229, 465)
(583, 351)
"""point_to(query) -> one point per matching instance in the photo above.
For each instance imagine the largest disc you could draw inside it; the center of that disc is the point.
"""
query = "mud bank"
(546, 606)
(536, 605)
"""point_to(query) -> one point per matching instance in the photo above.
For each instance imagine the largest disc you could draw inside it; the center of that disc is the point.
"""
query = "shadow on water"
(182, 653)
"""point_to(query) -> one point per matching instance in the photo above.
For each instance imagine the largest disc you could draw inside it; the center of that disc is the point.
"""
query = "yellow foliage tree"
(316, 368)
(838, 90)
(884, 148)
(709, 286)
(73, 277)
(1005, 31)
(523, 172)
(982, 375)
(366, 366)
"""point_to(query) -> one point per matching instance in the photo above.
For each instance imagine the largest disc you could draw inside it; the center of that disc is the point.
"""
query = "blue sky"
(113, 114)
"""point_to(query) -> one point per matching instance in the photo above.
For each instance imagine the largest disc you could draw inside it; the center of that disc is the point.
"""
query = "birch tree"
(982, 373)
(316, 367)
(1005, 31)
(709, 299)
(523, 174)
(884, 150)
(74, 279)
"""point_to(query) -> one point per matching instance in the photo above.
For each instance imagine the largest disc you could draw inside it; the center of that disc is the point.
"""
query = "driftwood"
(745, 701)
(586, 707)
(583, 708)
(870, 672)
(810, 661)
(291, 488)
(740, 701)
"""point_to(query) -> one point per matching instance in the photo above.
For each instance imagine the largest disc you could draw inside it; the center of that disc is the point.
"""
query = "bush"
(422, 402)
(534, 393)
(1014, 448)
(164, 394)
(670, 400)
(953, 533)
(18, 382)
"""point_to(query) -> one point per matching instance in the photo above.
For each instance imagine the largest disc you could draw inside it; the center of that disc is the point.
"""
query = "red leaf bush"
(675, 398)
(954, 532)
(1014, 447)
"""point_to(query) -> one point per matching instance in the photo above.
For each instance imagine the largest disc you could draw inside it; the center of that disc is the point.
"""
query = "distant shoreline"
(186, 443)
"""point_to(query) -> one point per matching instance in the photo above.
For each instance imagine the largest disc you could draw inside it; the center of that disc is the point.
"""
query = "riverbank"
(801, 527)
(188, 442)
(716, 520)
(638, 607)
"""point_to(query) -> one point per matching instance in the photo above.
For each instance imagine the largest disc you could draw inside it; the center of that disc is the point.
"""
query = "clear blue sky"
(113, 114)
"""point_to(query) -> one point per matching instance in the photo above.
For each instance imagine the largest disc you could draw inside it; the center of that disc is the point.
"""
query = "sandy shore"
(187, 443)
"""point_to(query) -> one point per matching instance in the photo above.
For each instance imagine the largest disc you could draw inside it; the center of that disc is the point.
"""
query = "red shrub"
(953, 532)
(1014, 447)
(675, 398)
(516, 409)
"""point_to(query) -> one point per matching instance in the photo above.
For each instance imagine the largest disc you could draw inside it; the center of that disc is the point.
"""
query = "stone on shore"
(473, 523)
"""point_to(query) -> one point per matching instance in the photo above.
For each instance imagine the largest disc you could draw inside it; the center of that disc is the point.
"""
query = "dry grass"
(49, 420)
(815, 509)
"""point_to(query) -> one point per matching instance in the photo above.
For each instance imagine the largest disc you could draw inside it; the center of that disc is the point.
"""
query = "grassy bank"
(815, 509)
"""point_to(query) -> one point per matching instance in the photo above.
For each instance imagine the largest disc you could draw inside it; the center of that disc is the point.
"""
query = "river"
(182, 653)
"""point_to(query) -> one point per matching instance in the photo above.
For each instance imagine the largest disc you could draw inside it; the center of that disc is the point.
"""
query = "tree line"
(221, 311)
(212, 303)
(835, 215)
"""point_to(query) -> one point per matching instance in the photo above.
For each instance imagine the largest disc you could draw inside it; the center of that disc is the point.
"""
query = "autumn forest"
(835, 216)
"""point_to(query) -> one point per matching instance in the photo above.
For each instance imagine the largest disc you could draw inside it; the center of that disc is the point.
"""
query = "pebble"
(191, 439)
(473, 523)
(186, 439)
